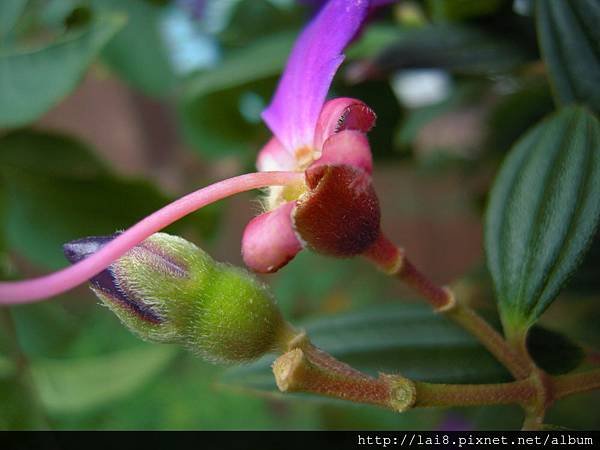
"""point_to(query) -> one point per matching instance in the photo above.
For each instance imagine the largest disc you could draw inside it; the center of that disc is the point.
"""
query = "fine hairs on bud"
(168, 290)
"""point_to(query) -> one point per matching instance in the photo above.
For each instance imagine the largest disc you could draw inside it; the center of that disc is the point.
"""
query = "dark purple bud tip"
(340, 214)
(106, 282)
(80, 249)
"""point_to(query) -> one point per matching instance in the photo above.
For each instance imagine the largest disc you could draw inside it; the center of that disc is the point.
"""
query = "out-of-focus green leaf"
(575, 412)
(240, 67)
(405, 338)
(220, 109)
(217, 124)
(337, 285)
(20, 409)
(570, 40)
(254, 19)
(6, 269)
(45, 329)
(456, 10)
(516, 112)
(457, 48)
(10, 10)
(138, 52)
(56, 191)
(373, 40)
(543, 213)
(69, 386)
(32, 81)
(553, 352)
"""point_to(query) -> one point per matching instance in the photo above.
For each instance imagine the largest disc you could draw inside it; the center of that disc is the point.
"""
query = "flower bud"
(168, 290)
(340, 215)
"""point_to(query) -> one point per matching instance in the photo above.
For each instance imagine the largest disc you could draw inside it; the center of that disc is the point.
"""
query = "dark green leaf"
(68, 386)
(375, 37)
(543, 212)
(252, 19)
(31, 82)
(403, 338)
(454, 47)
(455, 10)
(516, 112)
(570, 40)
(553, 352)
(57, 191)
(19, 405)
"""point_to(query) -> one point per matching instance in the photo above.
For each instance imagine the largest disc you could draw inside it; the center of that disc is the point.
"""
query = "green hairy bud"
(168, 290)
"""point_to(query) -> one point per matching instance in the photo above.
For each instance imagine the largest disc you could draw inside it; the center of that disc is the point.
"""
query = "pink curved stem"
(28, 291)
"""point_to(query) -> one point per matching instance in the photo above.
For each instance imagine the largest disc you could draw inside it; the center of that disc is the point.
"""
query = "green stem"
(442, 395)
(493, 341)
(565, 385)
(392, 260)
(306, 368)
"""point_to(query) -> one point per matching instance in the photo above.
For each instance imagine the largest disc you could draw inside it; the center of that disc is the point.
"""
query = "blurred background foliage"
(110, 108)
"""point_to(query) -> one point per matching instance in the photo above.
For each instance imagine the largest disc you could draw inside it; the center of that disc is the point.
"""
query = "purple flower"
(317, 169)
(327, 141)
(374, 4)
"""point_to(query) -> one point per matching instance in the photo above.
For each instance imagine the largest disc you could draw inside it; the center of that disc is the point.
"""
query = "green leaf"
(456, 10)
(10, 10)
(403, 338)
(220, 109)
(68, 386)
(552, 351)
(543, 212)
(252, 19)
(516, 112)
(240, 66)
(19, 406)
(57, 191)
(33, 81)
(217, 124)
(453, 47)
(570, 41)
(138, 53)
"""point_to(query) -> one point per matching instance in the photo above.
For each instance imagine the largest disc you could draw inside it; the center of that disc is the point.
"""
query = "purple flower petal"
(293, 113)
(269, 240)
